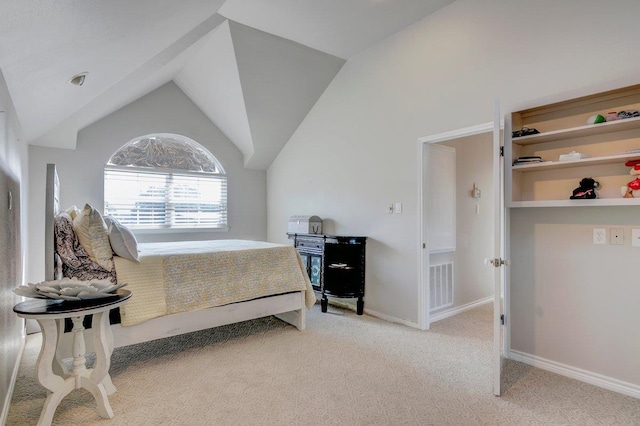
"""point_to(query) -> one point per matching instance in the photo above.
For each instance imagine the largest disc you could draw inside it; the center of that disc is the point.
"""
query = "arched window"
(165, 181)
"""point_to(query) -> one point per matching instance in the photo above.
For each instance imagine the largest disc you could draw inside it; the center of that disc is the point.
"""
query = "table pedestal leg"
(52, 401)
(59, 366)
(92, 380)
(103, 345)
(44, 365)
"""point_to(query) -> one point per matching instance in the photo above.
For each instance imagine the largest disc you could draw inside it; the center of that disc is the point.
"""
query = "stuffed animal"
(587, 189)
(632, 189)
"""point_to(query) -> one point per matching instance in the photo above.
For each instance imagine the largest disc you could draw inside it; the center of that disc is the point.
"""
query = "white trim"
(459, 133)
(460, 309)
(392, 319)
(12, 383)
(424, 298)
(376, 314)
(444, 250)
(423, 275)
(592, 378)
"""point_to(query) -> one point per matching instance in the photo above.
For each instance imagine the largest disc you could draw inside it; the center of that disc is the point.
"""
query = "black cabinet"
(335, 264)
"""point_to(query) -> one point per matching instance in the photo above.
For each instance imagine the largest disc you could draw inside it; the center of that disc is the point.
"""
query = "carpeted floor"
(343, 370)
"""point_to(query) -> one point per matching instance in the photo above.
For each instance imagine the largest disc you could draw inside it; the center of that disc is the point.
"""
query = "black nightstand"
(335, 264)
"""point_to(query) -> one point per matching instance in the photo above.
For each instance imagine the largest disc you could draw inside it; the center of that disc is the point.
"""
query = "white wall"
(574, 302)
(474, 232)
(165, 110)
(13, 160)
(356, 151)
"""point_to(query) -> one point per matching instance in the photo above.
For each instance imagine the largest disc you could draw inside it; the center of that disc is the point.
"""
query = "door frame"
(423, 241)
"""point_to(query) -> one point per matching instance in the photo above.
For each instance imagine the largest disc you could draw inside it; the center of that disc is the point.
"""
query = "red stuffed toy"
(632, 189)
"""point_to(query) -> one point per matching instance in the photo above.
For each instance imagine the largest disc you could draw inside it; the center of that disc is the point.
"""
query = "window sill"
(147, 231)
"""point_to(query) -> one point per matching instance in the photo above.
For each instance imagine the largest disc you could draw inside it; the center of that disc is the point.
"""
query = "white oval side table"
(54, 375)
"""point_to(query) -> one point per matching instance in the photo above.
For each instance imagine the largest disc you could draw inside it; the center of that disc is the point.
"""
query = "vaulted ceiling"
(254, 67)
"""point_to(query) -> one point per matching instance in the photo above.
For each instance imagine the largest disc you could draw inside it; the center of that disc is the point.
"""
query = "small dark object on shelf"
(586, 190)
(628, 114)
(525, 131)
(528, 160)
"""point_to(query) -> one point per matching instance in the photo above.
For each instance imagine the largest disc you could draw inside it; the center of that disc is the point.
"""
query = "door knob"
(496, 262)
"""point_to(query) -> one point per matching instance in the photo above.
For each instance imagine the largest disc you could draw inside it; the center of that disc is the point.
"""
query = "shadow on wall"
(10, 278)
(328, 226)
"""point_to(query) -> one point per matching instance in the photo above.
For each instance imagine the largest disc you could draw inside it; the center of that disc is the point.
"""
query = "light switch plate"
(635, 237)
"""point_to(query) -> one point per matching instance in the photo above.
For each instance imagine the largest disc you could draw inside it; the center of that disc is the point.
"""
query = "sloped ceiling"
(256, 87)
(254, 67)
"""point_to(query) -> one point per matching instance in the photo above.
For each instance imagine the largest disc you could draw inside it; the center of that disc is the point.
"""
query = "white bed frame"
(289, 307)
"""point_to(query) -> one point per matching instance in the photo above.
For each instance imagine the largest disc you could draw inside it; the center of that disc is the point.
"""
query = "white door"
(498, 262)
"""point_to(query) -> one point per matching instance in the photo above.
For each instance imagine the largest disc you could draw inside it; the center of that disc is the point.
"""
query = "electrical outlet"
(635, 237)
(616, 236)
(599, 236)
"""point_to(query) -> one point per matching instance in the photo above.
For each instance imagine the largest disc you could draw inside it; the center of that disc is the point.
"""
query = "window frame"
(169, 199)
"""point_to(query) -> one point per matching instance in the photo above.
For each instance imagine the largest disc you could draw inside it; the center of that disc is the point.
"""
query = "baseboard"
(433, 318)
(388, 318)
(595, 379)
(459, 309)
(12, 383)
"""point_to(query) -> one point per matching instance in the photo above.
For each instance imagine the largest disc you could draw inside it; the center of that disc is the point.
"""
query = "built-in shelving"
(606, 146)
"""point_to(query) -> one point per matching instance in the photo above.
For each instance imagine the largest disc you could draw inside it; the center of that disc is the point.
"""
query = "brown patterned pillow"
(57, 262)
(66, 241)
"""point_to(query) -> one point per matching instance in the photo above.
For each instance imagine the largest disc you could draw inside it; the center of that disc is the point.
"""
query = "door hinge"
(502, 151)
(502, 319)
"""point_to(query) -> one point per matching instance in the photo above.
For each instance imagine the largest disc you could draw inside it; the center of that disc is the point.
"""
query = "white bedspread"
(183, 276)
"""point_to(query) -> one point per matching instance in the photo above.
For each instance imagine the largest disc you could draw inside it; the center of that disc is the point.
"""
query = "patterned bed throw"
(185, 276)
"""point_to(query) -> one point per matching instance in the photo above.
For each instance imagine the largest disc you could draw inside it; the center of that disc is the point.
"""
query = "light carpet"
(343, 370)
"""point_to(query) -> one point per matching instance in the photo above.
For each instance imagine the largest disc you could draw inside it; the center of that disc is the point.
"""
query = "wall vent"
(441, 283)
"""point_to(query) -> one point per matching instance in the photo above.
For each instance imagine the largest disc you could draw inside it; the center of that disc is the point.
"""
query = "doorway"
(473, 226)
(473, 218)
(479, 242)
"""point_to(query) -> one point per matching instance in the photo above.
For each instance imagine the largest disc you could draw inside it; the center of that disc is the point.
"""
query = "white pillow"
(123, 242)
(92, 235)
(72, 211)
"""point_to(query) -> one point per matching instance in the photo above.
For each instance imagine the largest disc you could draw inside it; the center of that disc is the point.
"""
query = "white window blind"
(160, 198)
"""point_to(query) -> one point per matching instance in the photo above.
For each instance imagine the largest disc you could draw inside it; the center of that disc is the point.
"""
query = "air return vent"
(441, 283)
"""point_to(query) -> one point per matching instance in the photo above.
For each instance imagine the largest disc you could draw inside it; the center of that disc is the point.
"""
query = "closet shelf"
(581, 131)
(599, 202)
(592, 161)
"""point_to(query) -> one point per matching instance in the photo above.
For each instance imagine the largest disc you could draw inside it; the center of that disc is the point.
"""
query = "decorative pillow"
(123, 242)
(66, 240)
(75, 260)
(92, 234)
(58, 266)
(72, 211)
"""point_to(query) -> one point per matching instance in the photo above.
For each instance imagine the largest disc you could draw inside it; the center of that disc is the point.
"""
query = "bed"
(170, 295)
